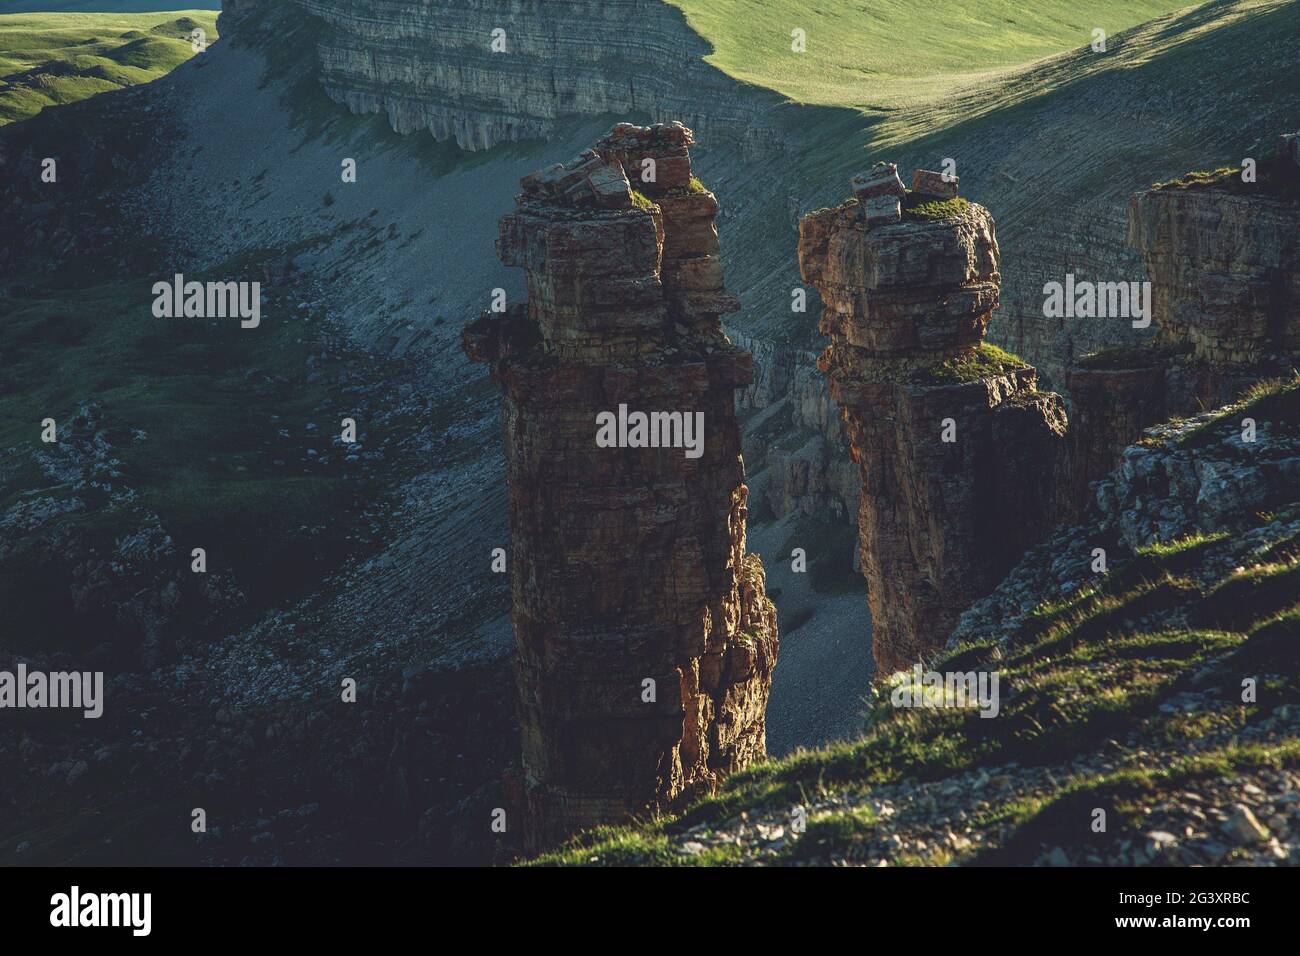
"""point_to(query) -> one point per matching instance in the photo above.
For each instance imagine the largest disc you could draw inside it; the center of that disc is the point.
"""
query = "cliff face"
(627, 563)
(1223, 257)
(1224, 268)
(795, 433)
(442, 68)
(957, 449)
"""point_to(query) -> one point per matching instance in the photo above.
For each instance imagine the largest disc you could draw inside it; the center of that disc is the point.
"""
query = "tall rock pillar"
(959, 451)
(646, 641)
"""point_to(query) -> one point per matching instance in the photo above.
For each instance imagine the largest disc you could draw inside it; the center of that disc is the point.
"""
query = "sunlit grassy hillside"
(891, 53)
(52, 58)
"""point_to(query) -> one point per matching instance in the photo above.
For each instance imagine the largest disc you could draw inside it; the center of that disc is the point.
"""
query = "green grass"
(1274, 176)
(1124, 795)
(1129, 357)
(48, 59)
(1079, 673)
(984, 361)
(1274, 402)
(206, 421)
(886, 54)
(643, 202)
(934, 209)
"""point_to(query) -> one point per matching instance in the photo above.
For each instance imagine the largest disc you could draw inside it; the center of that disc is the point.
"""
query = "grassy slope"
(889, 54)
(101, 6)
(52, 58)
(1086, 673)
(1081, 673)
(1053, 147)
(207, 403)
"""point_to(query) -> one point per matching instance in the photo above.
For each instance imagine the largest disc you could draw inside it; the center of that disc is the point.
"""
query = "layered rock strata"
(958, 450)
(484, 74)
(628, 564)
(794, 433)
(1223, 260)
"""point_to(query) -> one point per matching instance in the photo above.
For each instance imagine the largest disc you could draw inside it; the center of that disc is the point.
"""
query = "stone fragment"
(880, 180)
(1242, 826)
(930, 183)
(882, 210)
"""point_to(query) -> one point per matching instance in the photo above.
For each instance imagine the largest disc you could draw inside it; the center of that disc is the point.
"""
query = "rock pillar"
(959, 452)
(646, 641)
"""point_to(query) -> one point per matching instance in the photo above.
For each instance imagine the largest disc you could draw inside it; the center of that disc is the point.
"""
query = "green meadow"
(52, 58)
(887, 54)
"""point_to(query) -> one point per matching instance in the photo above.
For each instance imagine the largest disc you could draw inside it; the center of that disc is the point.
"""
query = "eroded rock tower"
(646, 641)
(959, 451)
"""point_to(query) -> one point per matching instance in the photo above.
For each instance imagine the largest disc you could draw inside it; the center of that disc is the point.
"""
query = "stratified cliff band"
(484, 74)
(646, 641)
(1224, 266)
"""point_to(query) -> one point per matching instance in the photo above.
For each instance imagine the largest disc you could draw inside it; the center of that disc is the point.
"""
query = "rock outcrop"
(958, 450)
(484, 74)
(628, 563)
(1190, 478)
(1223, 257)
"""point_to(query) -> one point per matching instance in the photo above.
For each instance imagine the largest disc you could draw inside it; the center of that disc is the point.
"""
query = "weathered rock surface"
(940, 521)
(1166, 488)
(1224, 267)
(795, 432)
(627, 563)
(445, 67)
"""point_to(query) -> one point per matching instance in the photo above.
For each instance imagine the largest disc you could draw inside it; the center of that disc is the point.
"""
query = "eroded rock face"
(627, 564)
(445, 68)
(1224, 267)
(940, 521)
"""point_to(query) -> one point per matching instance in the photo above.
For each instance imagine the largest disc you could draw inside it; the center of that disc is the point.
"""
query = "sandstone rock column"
(628, 564)
(909, 283)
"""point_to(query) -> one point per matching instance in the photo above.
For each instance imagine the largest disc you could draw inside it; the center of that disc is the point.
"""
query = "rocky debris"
(1237, 818)
(1163, 490)
(939, 521)
(627, 564)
